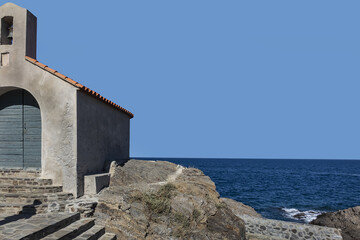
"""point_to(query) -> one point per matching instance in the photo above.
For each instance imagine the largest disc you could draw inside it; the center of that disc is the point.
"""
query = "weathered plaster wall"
(56, 98)
(57, 101)
(103, 135)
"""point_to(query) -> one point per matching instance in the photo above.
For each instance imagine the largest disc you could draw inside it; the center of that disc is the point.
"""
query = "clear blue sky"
(239, 79)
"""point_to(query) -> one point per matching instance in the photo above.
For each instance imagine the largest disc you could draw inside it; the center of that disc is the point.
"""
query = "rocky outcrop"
(259, 228)
(347, 220)
(161, 200)
(240, 209)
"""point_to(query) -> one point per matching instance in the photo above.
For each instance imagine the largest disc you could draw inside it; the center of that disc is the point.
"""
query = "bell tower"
(17, 34)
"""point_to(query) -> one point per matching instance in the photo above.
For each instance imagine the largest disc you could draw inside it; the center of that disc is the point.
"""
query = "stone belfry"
(18, 34)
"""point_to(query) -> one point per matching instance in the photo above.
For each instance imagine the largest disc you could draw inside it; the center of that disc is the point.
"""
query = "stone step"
(25, 181)
(4, 219)
(9, 209)
(28, 199)
(92, 234)
(29, 189)
(12, 204)
(37, 226)
(16, 173)
(37, 208)
(72, 231)
(108, 236)
(15, 209)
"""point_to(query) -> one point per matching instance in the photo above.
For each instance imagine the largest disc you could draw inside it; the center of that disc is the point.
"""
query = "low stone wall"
(289, 230)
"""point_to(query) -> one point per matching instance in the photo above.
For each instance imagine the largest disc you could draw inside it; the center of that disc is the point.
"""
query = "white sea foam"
(306, 216)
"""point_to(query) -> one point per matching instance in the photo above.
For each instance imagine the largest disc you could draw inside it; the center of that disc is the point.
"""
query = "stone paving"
(96, 231)
(51, 226)
(32, 208)
(72, 230)
(36, 226)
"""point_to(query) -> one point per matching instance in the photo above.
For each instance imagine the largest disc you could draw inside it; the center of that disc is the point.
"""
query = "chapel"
(49, 122)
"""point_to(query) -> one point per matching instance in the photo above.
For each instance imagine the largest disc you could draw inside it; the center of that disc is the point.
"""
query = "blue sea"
(290, 190)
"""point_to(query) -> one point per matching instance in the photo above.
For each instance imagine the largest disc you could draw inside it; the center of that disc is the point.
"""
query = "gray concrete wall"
(103, 135)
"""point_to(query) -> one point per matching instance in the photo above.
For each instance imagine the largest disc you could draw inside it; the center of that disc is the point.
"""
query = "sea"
(283, 189)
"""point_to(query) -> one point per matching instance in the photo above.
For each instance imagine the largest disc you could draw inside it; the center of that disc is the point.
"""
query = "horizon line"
(320, 159)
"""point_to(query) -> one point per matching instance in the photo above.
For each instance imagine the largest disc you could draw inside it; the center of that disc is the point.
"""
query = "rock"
(239, 208)
(347, 220)
(137, 171)
(112, 168)
(160, 200)
(299, 216)
(84, 205)
(225, 225)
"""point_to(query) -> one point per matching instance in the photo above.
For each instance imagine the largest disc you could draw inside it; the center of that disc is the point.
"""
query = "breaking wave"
(306, 216)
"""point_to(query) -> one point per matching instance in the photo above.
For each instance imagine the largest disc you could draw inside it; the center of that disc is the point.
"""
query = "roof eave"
(78, 85)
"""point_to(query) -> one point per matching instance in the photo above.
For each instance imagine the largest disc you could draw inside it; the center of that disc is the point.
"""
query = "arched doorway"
(20, 131)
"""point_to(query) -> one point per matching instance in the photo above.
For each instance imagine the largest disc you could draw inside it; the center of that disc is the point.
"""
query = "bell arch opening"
(7, 27)
(20, 130)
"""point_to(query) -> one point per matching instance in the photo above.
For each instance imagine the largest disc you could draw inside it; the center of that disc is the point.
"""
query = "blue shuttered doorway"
(20, 131)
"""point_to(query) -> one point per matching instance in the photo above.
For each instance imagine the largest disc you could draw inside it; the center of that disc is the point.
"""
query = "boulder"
(347, 220)
(239, 208)
(161, 200)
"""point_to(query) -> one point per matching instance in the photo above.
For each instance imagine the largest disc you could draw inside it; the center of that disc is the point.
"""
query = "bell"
(11, 30)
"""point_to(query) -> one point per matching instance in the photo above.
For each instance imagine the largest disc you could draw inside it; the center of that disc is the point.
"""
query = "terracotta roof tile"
(61, 76)
(49, 69)
(42, 65)
(78, 85)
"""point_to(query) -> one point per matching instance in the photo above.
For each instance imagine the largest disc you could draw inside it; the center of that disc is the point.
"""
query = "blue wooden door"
(32, 132)
(11, 130)
(20, 131)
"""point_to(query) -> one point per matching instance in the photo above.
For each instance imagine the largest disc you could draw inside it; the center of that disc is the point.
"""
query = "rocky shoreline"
(162, 200)
(347, 220)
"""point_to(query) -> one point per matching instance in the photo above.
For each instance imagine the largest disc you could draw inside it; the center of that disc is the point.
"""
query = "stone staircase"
(52, 226)
(26, 210)
(25, 192)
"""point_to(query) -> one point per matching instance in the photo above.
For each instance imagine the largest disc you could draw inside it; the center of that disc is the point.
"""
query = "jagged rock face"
(160, 200)
(347, 220)
(239, 208)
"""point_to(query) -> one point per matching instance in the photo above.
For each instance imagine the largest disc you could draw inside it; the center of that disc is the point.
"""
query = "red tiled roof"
(78, 85)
